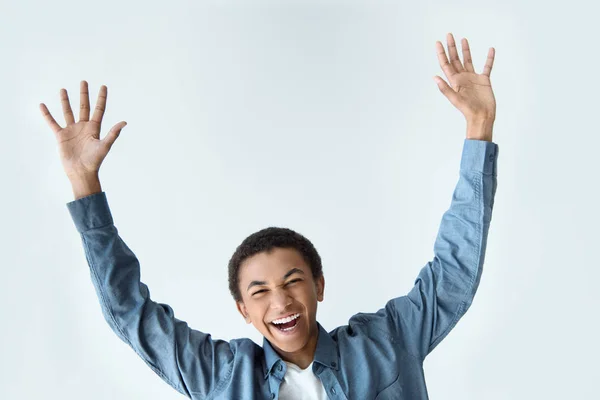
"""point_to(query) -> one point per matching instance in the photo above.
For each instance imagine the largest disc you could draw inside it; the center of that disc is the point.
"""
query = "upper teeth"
(287, 319)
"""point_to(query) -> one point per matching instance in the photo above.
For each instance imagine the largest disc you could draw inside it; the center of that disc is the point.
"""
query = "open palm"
(469, 92)
(80, 147)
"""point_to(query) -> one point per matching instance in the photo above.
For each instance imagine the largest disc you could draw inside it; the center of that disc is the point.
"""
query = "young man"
(276, 279)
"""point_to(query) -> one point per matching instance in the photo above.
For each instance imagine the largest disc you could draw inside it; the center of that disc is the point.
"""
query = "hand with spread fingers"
(471, 93)
(80, 147)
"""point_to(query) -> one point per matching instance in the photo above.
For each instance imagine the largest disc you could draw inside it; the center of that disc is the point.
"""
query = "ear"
(320, 287)
(242, 309)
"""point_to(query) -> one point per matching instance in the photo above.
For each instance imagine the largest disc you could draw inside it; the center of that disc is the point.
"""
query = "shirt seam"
(477, 178)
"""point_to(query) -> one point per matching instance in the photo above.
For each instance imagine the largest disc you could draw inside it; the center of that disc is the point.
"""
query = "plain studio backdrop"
(319, 116)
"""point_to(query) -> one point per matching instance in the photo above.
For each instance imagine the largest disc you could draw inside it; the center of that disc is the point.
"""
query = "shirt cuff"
(479, 155)
(90, 212)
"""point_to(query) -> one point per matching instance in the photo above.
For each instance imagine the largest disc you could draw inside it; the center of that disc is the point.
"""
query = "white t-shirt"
(301, 384)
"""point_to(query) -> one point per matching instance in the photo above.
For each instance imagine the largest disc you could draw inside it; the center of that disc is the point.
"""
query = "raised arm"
(188, 360)
(446, 285)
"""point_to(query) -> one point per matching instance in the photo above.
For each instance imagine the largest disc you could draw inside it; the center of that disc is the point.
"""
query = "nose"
(280, 299)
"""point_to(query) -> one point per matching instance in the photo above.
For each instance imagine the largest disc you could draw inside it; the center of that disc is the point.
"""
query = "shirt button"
(279, 367)
(333, 363)
(491, 157)
(272, 395)
(333, 390)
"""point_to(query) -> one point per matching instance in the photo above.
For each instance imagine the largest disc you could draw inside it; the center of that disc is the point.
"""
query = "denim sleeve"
(187, 359)
(445, 287)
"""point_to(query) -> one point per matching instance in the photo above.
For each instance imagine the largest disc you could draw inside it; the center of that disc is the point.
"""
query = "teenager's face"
(281, 284)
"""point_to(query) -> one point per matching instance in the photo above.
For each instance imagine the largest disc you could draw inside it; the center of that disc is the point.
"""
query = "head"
(273, 273)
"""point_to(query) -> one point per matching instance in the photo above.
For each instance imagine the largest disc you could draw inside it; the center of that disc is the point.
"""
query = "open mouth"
(287, 327)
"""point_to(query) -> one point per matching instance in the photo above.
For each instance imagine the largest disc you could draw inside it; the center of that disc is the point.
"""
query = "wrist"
(480, 129)
(85, 185)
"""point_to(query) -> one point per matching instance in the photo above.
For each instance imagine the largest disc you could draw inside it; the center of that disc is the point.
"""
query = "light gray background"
(320, 116)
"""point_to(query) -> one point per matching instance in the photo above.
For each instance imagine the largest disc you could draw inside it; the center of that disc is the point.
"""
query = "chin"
(288, 347)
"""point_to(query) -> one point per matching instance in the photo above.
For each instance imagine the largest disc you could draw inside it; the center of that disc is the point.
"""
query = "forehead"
(271, 266)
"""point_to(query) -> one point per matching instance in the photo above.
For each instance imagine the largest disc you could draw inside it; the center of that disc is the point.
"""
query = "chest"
(301, 384)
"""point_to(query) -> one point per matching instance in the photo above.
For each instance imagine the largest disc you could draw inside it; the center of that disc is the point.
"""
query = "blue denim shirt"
(377, 355)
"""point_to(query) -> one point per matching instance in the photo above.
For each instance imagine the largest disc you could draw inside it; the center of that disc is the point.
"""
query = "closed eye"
(264, 290)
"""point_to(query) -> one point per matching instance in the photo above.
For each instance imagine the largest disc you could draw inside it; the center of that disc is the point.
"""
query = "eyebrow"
(290, 272)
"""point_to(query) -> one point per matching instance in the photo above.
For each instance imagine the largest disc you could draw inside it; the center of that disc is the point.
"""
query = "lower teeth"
(288, 329)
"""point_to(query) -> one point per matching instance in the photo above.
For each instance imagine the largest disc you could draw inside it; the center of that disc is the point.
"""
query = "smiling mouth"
(288, 326)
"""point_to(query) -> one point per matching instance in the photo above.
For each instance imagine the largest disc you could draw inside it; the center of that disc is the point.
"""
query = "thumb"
(113, 134)
(446, 89)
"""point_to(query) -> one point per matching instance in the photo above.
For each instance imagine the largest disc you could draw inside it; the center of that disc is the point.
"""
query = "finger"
(443, 60)
(454, 60)
(466, 51)
(100, 105)
(113, 134)
(84, 102)
(447, 91)
(66, 106)
(489, 63)
(49, 119)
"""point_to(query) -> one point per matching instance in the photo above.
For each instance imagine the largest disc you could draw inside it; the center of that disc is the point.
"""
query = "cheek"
(307, 295)
(254, 308)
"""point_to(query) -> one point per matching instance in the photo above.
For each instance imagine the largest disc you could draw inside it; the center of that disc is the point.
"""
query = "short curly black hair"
(264, 241)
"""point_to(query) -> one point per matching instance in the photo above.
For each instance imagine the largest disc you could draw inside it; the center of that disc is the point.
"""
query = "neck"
(303, 357)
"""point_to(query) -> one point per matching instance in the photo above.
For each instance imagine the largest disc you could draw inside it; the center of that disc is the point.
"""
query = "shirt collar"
(325, 353)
